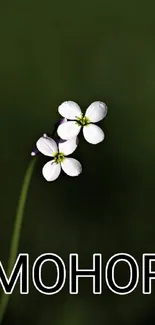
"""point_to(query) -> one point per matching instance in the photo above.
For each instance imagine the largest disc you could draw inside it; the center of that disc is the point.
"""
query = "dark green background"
(83, 51)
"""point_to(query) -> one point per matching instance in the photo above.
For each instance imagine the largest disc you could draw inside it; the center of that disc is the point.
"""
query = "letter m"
(20, 270)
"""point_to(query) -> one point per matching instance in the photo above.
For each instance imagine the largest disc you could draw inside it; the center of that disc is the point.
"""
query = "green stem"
(16, 233)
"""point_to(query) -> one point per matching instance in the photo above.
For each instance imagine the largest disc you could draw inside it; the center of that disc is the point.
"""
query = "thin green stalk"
(16, 233)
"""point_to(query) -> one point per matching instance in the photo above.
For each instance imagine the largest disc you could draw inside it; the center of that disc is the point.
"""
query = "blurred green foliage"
(82, 51)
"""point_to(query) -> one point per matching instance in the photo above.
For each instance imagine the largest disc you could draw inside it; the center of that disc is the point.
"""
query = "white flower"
(94, 113)
(51, 170)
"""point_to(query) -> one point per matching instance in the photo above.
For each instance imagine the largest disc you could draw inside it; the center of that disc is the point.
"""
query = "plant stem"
(16, 233)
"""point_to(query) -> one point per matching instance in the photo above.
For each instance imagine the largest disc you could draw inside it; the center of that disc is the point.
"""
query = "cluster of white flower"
(74, 120)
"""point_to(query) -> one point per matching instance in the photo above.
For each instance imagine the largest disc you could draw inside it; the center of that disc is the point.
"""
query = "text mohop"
(21, 271)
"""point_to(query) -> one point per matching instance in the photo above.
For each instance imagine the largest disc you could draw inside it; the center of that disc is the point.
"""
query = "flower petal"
(93, 133)
(71, 167)
(96, 111)
(68, 130)
(70, 110)
(51, 171)
(69, 146)
(47, 146)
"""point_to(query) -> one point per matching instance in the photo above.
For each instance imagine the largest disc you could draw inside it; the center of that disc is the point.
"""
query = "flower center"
(59, 157)
(82, 120)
